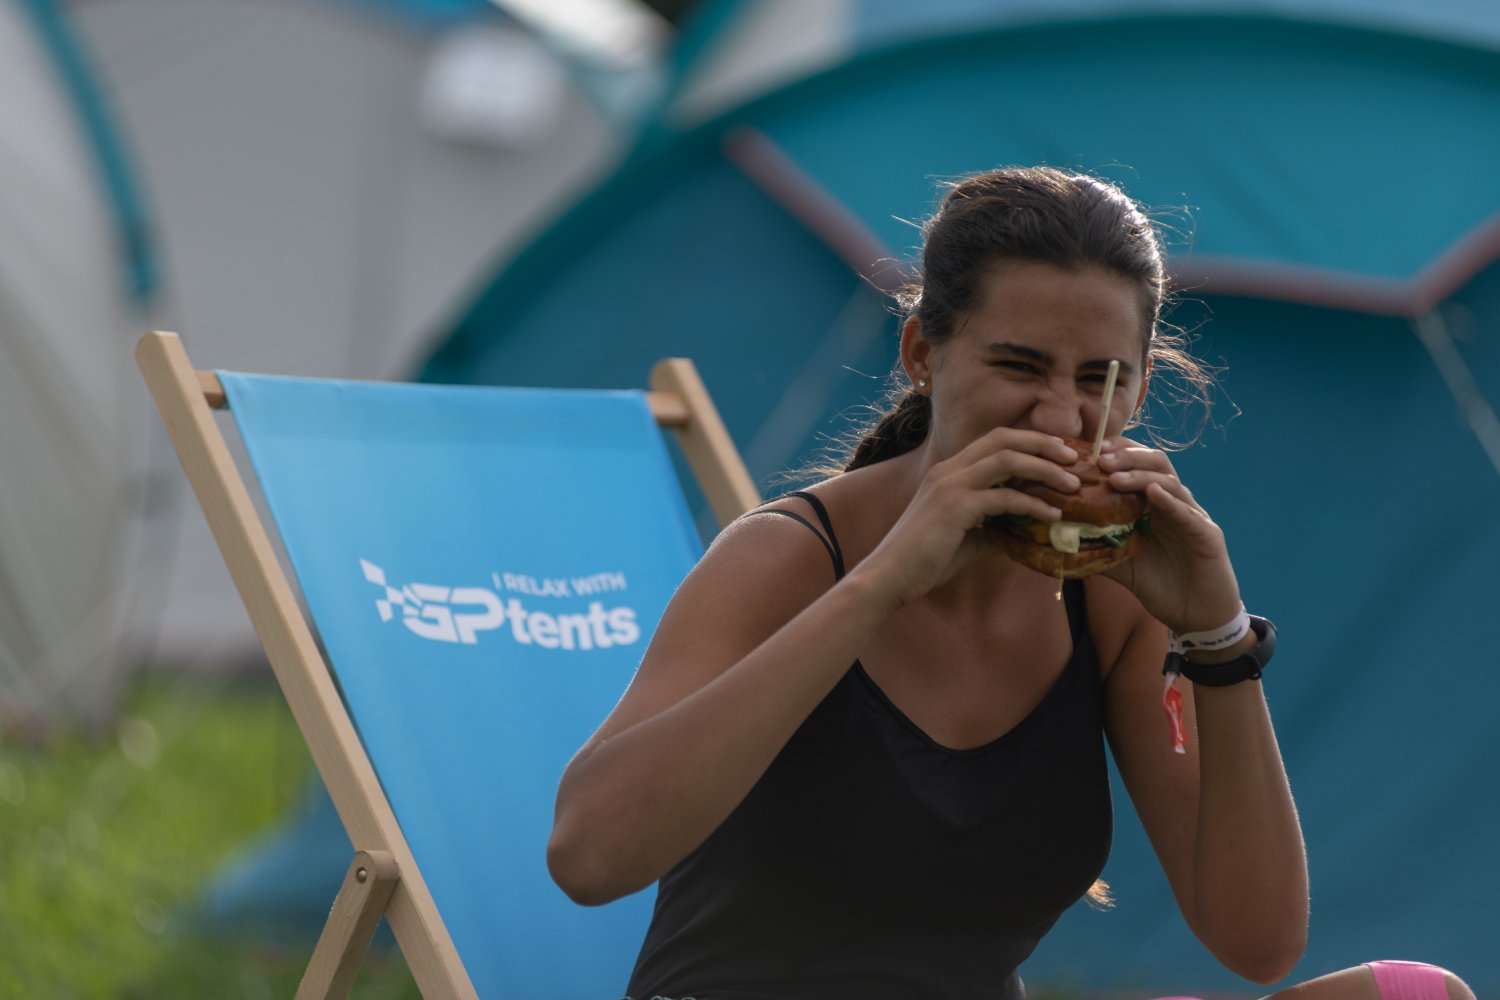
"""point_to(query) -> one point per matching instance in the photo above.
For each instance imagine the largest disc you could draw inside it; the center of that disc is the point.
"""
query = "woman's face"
(1034, 354)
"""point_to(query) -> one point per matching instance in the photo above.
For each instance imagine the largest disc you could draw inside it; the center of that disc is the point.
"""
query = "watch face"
(1266, 633)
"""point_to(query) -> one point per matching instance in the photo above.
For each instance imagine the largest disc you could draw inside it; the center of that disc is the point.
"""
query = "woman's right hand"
(941, 529)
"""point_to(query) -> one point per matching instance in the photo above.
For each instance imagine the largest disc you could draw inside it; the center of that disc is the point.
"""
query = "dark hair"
(1038, 214)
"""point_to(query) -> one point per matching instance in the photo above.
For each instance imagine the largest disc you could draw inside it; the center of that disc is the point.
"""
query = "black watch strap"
(1244, 668)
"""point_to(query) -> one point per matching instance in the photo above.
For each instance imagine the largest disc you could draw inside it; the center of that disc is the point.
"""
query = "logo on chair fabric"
(460, 614)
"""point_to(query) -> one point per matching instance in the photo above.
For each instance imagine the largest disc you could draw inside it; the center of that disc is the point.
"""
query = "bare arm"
(1220, 816)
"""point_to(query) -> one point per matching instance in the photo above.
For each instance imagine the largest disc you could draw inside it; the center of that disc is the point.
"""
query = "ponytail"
(902, 428)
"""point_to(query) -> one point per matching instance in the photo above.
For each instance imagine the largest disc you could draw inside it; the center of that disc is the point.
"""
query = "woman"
(864, 754)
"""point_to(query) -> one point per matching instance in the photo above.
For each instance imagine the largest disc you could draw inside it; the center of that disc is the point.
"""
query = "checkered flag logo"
(393, 597)
(428, 610)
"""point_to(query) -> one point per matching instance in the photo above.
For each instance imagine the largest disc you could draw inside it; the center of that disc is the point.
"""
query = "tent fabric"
(1327, 177)
(1246, 187)
(425, 13)
(484, 568)
(75, 279)
(734, 51)
(1320, 119)
(110, 161)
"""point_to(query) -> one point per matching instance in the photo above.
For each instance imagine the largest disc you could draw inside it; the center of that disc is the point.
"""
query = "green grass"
(105, 844)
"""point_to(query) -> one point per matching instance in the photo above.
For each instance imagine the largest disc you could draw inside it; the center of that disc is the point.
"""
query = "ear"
(916, 352)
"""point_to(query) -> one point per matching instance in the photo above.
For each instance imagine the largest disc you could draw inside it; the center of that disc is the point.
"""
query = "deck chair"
(483, 568)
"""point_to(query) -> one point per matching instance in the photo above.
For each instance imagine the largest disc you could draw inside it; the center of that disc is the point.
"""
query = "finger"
(1008, 466)
(1140, 481)
(1029, 442)
(1171, 506)
(1134, 456)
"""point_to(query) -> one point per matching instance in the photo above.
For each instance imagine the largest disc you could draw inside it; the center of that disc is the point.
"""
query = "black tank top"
(871, 862)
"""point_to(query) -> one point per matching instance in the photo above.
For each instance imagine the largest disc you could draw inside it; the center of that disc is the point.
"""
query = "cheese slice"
(1065, 536)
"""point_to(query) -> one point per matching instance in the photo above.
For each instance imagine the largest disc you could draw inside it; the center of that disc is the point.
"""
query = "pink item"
(1409, 980)
(1171, 700)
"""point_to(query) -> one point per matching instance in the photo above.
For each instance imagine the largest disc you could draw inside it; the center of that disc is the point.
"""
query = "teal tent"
(1328, 172)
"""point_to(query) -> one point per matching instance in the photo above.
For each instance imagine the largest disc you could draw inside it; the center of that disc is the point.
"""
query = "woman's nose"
(1061, 413)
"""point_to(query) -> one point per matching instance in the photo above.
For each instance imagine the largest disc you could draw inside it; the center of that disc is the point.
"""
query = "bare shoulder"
(789, 527)
(855, 503)
(759, 573)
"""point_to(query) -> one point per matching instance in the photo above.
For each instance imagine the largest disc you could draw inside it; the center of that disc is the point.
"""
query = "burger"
(1100, 526)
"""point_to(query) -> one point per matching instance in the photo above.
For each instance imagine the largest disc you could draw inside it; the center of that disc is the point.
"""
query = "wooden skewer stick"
(1109, 391)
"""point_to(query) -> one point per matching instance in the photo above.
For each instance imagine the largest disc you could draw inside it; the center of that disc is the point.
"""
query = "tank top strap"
(826, 536)
(833, 540)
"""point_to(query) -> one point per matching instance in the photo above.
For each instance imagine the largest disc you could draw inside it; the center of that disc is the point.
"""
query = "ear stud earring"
(921, 383)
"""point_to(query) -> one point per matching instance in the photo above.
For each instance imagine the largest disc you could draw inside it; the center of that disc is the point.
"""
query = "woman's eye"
(1017, 366)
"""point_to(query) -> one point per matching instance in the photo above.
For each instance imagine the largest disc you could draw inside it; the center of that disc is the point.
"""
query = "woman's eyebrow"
(1043, 358)
(1102, 364)
(1030, 353)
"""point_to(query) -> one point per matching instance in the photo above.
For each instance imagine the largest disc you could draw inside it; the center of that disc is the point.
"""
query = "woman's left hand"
(1182, 573)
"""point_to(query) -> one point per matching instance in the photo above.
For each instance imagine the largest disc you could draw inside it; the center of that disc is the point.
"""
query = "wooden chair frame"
(384, 879)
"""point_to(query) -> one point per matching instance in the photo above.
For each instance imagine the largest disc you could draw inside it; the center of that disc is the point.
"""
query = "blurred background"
(529, 192)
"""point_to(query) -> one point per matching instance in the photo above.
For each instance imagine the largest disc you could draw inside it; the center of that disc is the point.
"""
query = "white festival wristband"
(1225, 635)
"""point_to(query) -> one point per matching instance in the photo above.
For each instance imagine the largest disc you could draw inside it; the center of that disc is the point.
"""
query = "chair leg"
(351, 924)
